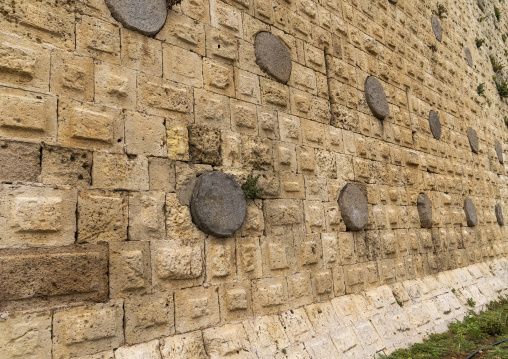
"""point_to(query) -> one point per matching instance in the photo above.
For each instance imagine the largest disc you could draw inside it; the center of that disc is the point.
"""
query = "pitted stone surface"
(499, 214)
(436, 27)
(499, 151)
(376, 98)
(218, 204)
(470, 210)
(435, 124)
(469, 58)
(147, 17)
(473, 139)
(272, 56)
(424, 210)
(353, 207)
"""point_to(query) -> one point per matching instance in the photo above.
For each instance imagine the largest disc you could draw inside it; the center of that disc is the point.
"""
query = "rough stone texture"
(19, 161)
(435, 124)
(473, 139)
(204, 145)
(353, 207)
(499, 151)
(499, 214)
(147, 17)
(470, 211)
(469, 58)
(129, 268)
(148, 350)
(218, 204)
(425, 210)
(272, 56)
(436, 27)
(47, 277)
(63, 166)
(376, 98)
(146, 216)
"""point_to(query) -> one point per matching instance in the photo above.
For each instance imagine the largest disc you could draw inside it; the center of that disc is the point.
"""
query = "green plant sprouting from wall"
(481, 89)
(497, 13)
(250, 187)
(479, 42)
(496, 66)
(441, 10)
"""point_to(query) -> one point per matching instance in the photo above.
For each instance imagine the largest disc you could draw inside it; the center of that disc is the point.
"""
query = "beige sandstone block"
(104, 355)
(161, 172)
(226, 17)
(257, 152)
(177, 141)
(266, 335)
(149, 350)
(271, 295)
(141, 53)
(196, 308)
(290, 130)
(72, 76)
(183, 32)
(254, 223)
(102, 216)
(218, 77)
(248, 259)
(221, 45)
(129, 268)
(113, 171)
(21, 161)
(220, 259)
(244, 117)
(99, 39)
(228, 340)
(145, 134)
(247, 86)
(268, 123)
(182, 66)
(235, 301)
(115, 85)
(146, 216)
(274, 94)
(212, 110)
(188, 345)
(66, 166)
(87, 330)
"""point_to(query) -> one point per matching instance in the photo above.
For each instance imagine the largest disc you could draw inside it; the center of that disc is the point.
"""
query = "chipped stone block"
(299, 289)
(248, 257)
(20, 161)
(220, 259)
(297, 325)
(140, 52)
(221, 45)
(212, 110)
(204, 145)
(148, 350)
(271, 295)
(184, 32)
(228, 340)
(98, 39)
(146, 216)
(257, 152)
(148, 317)
(115, 85)
(72, 76)
(274, 94)
(321, 347)
(218, 77)
(129, 268)
(182, 66)
(196, 308)
(244, 117)
(266, 335)
(235, 301)
(66, 166)
(145, 134)
(254, 223)
(87, 330)
(161, 173)
(247, 86)
(102, 216)
(114, 171)
(188, 345)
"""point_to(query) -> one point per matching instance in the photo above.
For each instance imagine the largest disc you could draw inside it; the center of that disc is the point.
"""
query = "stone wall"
(381, 166)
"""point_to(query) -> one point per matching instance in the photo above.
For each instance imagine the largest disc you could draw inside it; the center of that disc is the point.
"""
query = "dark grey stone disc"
(499, 214)
(218, 205)
(272, 55)
(376, 98)
(435, 124)
(144, 16)
(469, 58)
(499, 151)
(393, 1)
(473, 140)
(424, 210)
(436, 27)
(470, 210)
(353, 207)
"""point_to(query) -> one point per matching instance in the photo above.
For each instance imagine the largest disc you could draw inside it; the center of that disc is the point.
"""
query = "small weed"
(433, 48)
(497, 12)
(441, 10)
(481, 89)
(400, 303)
(453, 290)
(284, 351)
(471, 302)
(479, 42)
(250, 187)
(502, 89)
(504, 37)
(489, 102)
(496, 66)
(480, 19)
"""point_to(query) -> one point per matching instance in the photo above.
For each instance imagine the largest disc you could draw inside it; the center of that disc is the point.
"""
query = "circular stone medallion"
(469, 58)
(436, 27)
(353, 207)
(424, 207)
(499, 214)
(272, 55)
(376, 98)
(473, 139)
(470, 210)
(144, 16)
(435, 124)
(218, 205)
(499, 151)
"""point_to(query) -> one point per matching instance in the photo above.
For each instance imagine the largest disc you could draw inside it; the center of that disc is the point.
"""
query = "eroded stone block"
(117, 171)
(20, 161)
(129, 268)
(146, 216)
(188, 345)
(196, 308)
(66, 166)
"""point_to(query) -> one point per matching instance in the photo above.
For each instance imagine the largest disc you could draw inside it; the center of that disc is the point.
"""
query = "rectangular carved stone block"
(66, 166)
(20, 161)
(114, 171)
(271, 295)
(42, 277)
(196, 308)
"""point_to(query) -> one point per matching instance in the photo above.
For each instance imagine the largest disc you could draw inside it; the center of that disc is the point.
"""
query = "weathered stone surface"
(499, 151)
(376, 98)
(148, 350)
(146, 216)
(425, 210)
(436, 27)
(435, 124)
(188, 345)
(353, 207)
(20, 161)
(499, 214)
(147, 17)
(204, 145)
(470, 211)
(196, 308)
(473, 139)
(469, 58)
(66, 166)
(48, 277)
(272, 56)
(218, 204)
(129, 268)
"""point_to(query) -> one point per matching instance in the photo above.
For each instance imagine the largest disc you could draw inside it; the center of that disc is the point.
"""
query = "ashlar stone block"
(196, 308)
(271, 295)
(129, 268)
(226, 341)
(141, 53)
(184, 346)
(114, 171)
(149, 350)
(66, 166)
(235, 301)
(146, 216)
(21, 161)
(115, 85)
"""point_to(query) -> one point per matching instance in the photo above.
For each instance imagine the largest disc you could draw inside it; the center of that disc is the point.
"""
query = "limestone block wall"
(108, 121)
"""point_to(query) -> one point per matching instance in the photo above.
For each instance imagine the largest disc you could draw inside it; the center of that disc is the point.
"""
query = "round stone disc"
(144, 16)
(499, 151)
(469, 58)
(218, 205)
(499, 214)
(470, 210)
(353, 207)
(376, 98)
(424, 206)
(272, 55)
(436, 27)
(435, 124)
(393, 1)
(473, 139)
